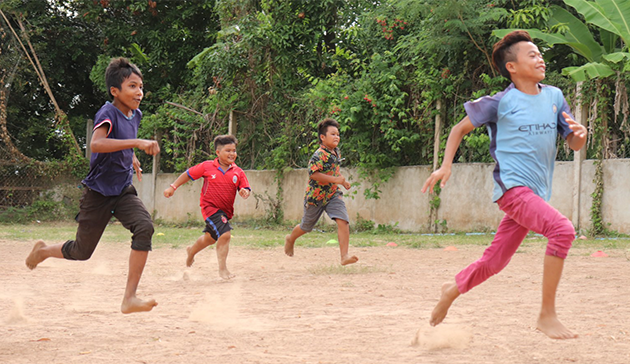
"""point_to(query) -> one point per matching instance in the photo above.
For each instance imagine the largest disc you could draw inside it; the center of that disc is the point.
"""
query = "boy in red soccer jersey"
(222, 179)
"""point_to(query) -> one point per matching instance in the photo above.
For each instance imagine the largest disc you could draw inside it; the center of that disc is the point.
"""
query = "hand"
(346, 184)
(169, 192)
(442, 174)
(136, 166)
(151, 147)
(244, 193)
(579, 130)
(341, 180)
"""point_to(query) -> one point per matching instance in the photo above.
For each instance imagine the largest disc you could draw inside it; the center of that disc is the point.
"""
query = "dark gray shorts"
(335, 208)
(95, 212)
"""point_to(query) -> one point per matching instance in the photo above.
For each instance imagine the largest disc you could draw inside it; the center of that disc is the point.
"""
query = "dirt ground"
(306, 310)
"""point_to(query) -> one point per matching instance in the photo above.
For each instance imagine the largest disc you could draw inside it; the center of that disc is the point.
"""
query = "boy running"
(107, 188)
(523, 121)
(323, 194)
(222, 178)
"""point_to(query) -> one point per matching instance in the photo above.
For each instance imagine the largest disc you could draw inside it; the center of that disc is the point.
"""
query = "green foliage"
(611, 17)
(272, 205)
(362, 224)
(387, 229)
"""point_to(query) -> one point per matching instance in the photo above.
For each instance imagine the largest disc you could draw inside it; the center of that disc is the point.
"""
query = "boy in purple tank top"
(108, 190)
(523, 123)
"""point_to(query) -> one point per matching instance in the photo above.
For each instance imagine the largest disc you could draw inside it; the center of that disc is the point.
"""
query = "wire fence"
(21, 184)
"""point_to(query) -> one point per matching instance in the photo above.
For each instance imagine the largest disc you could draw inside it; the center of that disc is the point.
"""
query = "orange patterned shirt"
(328, 162)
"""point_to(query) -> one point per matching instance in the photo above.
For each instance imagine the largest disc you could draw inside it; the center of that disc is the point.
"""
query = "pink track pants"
(524, 211)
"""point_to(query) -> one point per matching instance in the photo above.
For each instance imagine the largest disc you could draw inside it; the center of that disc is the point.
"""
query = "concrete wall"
(466, 201)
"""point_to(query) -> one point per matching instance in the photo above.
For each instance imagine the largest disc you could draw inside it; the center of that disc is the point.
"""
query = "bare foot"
(190, 259)
(134, 304)
(349, 260)
(449, 293)
(226, 275)
(288, 246)
(550, 326)
(35, 257)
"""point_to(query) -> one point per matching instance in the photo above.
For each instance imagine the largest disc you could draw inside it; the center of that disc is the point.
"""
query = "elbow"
(95, 147)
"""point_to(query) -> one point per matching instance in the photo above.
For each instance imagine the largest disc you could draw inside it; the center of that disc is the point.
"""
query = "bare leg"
(41, 252)
(203, 242)
(289, 240)
(223, 247)
(131, 303)
(548, 322)
(343, 234)
(449, 293)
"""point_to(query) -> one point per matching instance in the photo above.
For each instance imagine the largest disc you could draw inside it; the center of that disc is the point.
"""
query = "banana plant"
(611, 17)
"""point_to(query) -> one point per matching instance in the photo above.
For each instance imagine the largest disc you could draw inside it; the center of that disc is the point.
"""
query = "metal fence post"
(89, 128)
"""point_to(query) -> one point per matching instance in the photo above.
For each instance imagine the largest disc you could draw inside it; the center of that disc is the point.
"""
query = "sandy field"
(307, 310)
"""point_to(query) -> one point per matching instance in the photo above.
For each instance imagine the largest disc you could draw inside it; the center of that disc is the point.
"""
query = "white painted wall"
(466, 200)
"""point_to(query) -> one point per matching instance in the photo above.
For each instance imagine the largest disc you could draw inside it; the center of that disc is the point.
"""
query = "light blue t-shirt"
(523, 130)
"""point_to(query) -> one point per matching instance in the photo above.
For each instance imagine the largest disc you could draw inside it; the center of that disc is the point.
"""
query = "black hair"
(503, 52)
(118, 71)
(322, 127)
(223, 140)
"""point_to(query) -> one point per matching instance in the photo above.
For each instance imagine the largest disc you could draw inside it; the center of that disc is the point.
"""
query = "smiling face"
(128, 97)
(227, 154)
(331, 139)
(529, 64)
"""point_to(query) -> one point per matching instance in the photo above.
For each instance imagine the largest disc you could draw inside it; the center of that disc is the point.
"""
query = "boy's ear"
(114, 91)
(510, 67)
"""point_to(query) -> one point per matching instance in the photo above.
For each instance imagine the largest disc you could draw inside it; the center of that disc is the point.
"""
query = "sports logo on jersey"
(555, 108)
(213, 176)
(234, 179)
(223, 219)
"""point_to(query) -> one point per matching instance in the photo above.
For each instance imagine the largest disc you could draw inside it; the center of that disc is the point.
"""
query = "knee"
(72, 250)
(496, 266)
(82, 254)
(144, 230)
(225, 237)
(564, 229)
(561, 239)
(342, 224)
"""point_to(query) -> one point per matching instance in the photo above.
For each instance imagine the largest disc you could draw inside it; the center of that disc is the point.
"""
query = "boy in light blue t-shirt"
(523, 122)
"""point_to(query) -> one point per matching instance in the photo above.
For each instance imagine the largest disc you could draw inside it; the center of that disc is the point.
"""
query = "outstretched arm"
(462, 128)
(102, 144)
(325, 178)
(577, 139)
(183, 178)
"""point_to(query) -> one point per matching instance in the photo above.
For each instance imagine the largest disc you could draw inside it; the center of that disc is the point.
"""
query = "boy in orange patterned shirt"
(323, 194)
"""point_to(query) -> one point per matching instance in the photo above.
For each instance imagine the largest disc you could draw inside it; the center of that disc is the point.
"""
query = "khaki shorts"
(335, 208)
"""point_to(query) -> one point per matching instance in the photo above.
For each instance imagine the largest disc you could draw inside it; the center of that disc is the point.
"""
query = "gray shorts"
(335, 208)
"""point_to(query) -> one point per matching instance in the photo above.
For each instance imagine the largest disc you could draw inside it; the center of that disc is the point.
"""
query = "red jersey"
(219, 187)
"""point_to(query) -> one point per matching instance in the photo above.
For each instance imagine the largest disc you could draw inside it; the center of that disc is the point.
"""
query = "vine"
(600, 107)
